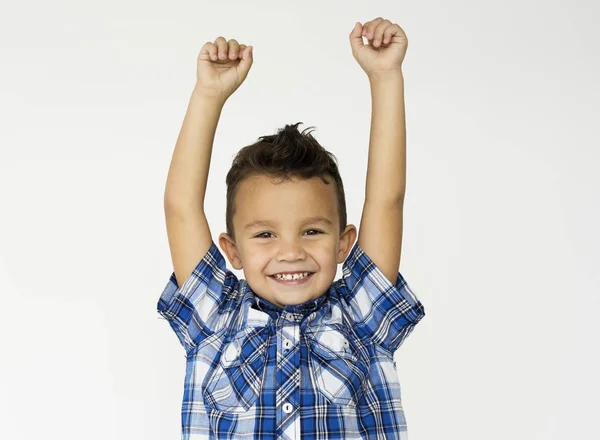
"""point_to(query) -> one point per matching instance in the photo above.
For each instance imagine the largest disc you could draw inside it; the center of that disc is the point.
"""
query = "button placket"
(288, 375)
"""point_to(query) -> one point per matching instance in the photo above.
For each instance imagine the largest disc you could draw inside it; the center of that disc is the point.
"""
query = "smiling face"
(289, 226)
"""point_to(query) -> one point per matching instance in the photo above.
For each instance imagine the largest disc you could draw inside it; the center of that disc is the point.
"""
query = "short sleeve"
(385, 313)
(194, 310)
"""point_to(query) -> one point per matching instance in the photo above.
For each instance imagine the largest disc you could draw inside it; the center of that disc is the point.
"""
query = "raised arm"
(187, 226)
(190, 164)
(380, 232)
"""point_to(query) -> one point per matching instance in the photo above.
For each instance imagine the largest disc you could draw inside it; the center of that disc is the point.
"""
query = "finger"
(234, 49)
(371, 25)
(221, 44)
(245, 62)
(356, 39)
(365, 29)
(249, 54)
(378, 33)
(209, 49)
(242, 51)
(389, 32)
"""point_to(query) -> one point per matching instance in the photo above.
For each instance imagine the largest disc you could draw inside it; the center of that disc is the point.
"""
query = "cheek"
(254, 260)
(327, 259)
(324, 250)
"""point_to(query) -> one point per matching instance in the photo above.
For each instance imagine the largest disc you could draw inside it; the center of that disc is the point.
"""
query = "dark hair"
(284, 155)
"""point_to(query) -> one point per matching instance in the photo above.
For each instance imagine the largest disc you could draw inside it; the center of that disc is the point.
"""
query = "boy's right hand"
(222, 67)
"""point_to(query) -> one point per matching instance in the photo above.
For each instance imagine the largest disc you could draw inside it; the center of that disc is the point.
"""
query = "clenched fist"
(222, 67)
(386, 49)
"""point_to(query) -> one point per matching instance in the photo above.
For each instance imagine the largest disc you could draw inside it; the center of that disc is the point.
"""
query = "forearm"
(386, 171)
(188, 172)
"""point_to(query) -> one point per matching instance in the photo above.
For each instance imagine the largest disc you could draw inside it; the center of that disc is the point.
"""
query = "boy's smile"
(291, 279)
(283, 230)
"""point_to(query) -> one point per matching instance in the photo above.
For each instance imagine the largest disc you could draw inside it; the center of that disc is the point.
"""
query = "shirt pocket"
(338, 371)
(235, 381)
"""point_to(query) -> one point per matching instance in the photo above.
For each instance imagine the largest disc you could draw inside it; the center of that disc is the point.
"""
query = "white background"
(501, 212)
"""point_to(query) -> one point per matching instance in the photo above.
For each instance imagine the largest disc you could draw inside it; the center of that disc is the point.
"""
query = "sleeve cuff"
(359, 266)
(173, 298)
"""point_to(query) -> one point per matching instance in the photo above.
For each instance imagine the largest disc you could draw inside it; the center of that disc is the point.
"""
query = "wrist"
(386, 77)
(206, 95)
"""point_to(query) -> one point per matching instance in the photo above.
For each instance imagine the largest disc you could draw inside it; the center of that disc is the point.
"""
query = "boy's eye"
(262, 234)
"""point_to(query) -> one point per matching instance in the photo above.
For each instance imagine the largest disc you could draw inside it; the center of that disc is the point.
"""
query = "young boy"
(286, 352)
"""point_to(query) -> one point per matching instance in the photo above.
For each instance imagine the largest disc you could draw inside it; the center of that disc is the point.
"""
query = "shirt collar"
(300, 309)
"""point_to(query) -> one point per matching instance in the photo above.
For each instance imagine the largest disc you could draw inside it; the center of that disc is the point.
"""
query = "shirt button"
(345, 344)
(289, 316)
(231, 353)
(287, 344)
(287, 408)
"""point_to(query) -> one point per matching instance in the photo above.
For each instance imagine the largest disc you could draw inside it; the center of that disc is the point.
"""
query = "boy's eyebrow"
(315, 219)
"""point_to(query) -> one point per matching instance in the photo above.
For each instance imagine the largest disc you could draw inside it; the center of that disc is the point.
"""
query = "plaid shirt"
(323, 369)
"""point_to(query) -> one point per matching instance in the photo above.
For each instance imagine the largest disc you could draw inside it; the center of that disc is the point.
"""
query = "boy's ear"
(230, 249)
(347, 239)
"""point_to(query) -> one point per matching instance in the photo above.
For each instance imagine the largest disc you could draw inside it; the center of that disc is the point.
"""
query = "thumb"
(356, 41)
(246, 62)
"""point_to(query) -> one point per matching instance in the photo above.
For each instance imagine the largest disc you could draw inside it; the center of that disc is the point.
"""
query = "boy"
(286, 352)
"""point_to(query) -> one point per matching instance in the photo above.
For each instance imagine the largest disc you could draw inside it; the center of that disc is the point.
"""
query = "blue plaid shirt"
(323, 369)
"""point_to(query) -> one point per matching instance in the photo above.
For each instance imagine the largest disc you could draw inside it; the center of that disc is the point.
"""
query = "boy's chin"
(293, 294)
(293, 298)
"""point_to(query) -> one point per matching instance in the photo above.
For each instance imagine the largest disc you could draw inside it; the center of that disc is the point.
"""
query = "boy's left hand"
(385, 52)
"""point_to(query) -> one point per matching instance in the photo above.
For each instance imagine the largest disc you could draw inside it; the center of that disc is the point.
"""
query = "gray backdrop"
(501, 214)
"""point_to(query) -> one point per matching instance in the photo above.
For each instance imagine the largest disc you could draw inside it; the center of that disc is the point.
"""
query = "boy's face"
(287, 243)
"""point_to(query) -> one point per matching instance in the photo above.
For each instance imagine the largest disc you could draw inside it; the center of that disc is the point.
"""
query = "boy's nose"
(290, 251)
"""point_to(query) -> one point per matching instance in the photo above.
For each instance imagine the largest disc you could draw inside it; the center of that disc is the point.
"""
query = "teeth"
(295, 276)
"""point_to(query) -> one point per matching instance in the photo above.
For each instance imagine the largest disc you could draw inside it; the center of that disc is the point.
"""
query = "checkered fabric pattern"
(319, 370)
